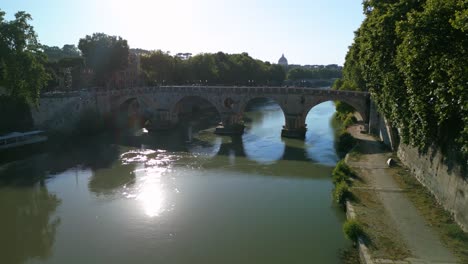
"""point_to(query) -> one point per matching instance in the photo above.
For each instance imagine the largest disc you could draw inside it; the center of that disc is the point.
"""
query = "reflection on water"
(179, 197)
(149, 189)
(28, 225)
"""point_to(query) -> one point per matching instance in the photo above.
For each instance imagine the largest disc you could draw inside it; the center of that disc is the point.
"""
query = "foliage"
(339, 177)
(341, 193)
(15, 114)
(314, 73)
(55, 53)
(158, 66)
(104, 54)
(349, 120)
(353, 230)
(217, 68)
(343, 110)
(411, 56)
(22, 70)
(342, 167)
(345, 143)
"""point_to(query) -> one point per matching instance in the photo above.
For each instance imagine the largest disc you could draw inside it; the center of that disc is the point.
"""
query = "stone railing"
(208, 89)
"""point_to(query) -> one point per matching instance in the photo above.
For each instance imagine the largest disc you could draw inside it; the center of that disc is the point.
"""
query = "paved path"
(421, 240)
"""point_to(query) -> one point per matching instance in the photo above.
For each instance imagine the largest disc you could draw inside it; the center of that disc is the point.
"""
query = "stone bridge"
(162, 104)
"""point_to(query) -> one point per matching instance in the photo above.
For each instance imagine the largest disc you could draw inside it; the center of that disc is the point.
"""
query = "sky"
(306, 31)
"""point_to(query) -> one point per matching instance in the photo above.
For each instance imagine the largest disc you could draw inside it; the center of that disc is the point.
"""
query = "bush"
(341, 192)
(349, 121)
(341, 166)
(15, 115)
(353, 230)
(345, 142)
(340, 177)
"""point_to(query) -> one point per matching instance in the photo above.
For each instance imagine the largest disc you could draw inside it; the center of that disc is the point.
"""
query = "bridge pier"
(295, 126)
(231, 125)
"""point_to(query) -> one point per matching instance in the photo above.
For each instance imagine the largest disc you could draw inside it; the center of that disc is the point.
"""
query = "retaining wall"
(447, 183)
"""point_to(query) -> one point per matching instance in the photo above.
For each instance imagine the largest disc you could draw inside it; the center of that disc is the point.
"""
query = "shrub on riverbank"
(15, 115)
(353, 230)
(341, 176)
(349, 120)
(344, 143)
(341, 193)
(343, 168)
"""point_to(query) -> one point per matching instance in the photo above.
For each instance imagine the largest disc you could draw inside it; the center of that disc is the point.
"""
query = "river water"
(179, 198)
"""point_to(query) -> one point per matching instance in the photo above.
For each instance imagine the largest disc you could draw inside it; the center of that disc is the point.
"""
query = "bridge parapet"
(209, 89)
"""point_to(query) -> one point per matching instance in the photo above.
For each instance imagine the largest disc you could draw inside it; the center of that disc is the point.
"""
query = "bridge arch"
(127, 113)
(246, 102)
(193, 104)
(359, 107)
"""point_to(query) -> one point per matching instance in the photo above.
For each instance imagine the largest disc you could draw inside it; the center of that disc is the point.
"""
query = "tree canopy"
(22, 70)
(300, 73)
(104, 54)
(412, 57)
(210, 68)
(55, 53)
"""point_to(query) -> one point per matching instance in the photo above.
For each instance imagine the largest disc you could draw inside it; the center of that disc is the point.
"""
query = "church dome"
(283, 61)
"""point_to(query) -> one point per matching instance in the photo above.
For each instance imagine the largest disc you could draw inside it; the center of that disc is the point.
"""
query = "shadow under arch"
(127, 113)
(194, 107)
(321, 133)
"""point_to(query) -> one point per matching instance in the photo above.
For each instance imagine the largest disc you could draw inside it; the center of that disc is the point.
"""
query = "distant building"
(184, 56)
(283, 61)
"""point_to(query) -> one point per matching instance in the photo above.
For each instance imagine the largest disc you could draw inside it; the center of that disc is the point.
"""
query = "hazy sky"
(306, 31)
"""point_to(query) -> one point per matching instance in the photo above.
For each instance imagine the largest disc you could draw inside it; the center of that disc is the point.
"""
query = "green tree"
(104, 54)
(158, 67)
(209, 68)
(55, 53)
(22, 70)
(411, 56)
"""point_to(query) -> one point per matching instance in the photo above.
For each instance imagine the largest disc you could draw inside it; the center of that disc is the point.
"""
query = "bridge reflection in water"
(227, 199)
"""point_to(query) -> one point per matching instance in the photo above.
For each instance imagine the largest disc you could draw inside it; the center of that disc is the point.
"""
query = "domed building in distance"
(283, 61)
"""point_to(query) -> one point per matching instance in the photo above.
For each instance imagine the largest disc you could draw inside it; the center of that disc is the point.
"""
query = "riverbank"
(397, 228)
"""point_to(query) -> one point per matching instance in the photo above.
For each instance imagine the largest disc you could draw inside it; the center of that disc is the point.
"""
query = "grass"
(441, 220)
(381, 237)
(353, 230)
(350, 256)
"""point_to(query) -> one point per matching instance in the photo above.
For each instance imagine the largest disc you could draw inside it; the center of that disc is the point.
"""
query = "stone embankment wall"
(448, 184)
(60, 112)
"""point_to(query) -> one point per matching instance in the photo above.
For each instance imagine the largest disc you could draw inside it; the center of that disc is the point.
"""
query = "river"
(179, 198)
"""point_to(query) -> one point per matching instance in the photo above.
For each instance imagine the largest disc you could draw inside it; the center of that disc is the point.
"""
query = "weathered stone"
(58, 111)
(444, 179)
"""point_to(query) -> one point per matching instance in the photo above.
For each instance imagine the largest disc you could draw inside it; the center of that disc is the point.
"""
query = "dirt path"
(422, 241)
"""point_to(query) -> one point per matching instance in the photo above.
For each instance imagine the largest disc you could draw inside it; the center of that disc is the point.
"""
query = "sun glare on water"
(150, 189)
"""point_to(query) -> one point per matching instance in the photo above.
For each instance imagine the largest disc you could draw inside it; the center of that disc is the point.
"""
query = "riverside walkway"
(420, 239)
